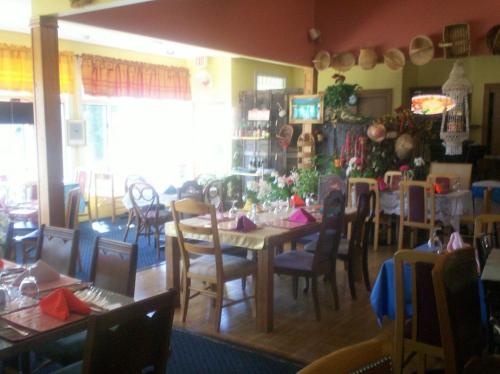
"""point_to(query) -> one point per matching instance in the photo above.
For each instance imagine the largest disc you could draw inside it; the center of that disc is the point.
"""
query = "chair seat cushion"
(75, 368)
(163, 216)
(309, 238)
(234, 267)
(66, 350)
(294, 260)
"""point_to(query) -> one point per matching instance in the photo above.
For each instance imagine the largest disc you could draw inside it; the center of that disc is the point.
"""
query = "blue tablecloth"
(383, 295)
(478, 193)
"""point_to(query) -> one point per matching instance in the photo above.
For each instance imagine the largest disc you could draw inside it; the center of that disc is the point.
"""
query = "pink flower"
(359, 161)
(404, 168)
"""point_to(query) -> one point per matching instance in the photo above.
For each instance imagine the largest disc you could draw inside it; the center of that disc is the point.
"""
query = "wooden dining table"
(272, 233)
(18, 338)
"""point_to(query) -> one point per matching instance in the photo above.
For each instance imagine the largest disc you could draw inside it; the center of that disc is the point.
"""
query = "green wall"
(244, 72)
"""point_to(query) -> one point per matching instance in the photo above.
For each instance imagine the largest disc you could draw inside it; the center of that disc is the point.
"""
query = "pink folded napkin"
(245, 225)
(41, 271)
(382, 186)
(61, 302)
(456, 242)
(301, 216)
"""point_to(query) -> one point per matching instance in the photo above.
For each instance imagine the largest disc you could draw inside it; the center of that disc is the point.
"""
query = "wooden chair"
(9, 252)
(190, 190)
(214, 194)
(83, 178)
(129, 181)
(462, 171)
(392, 178)
(211, 266)
(129, 339)
(356, 186)
(467, 219)
(104, 193)
(419, 334)
(456, 287)
(72, 207)
(368, 357)
(114, 265)
(485, 235)
(148, 211)
(354, 251)
(58, 247)
(417, 209)
(322, 260)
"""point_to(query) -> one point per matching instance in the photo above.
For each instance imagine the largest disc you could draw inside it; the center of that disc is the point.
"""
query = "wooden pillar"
(47, 110)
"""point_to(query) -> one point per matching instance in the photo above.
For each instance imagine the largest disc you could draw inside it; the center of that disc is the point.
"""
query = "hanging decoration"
(455, 122)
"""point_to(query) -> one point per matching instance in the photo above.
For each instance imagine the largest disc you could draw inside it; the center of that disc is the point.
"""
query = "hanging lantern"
(455, 122)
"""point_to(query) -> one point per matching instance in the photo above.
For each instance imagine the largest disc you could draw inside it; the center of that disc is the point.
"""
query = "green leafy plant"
(307, 182)
(340, 94)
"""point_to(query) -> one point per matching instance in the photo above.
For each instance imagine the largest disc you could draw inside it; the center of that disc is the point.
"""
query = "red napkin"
(1, 264)
(61, 302)
(245, 225)
(301, 216)
(382, 186)
(442, 185)
(297, 201)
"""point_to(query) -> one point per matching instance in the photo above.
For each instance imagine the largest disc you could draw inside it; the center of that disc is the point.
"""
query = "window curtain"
(16, 69)
(103, 76)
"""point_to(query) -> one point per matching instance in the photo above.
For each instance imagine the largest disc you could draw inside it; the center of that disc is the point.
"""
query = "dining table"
(272, 232)
(23, 324)
(449, 207)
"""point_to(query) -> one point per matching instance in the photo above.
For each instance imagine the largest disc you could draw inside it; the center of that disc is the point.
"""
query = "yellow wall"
(244, 72)
(380, 77)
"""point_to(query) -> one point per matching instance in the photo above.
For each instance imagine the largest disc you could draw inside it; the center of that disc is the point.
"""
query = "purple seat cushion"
(294, 260)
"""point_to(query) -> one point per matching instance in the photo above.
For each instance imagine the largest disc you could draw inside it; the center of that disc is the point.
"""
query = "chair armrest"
(351, 358)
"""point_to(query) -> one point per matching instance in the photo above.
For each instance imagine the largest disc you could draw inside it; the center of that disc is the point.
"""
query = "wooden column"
(47, 107)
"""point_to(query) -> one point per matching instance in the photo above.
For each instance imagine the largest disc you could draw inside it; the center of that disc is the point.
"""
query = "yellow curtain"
(103, 76)
(16, 69)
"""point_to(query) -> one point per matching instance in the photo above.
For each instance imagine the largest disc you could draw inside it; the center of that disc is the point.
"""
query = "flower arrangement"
(306, 182)
(407, 172)
(338, 97)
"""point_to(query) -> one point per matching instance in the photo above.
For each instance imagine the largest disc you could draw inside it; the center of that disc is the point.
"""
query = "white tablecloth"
(449, 207)
(165, 199)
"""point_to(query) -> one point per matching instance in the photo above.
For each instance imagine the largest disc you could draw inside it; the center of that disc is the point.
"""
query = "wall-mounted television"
(306, 109)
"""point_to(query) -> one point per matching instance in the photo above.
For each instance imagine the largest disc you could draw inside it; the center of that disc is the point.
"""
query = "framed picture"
(76, 132)
(306, 109)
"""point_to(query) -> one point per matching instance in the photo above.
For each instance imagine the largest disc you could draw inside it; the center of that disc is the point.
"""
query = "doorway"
(374, 103)
(491, 119)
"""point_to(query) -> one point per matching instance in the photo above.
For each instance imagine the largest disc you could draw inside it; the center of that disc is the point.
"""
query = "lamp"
(455, 122)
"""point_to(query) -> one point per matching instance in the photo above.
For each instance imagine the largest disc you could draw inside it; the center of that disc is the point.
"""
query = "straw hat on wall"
(343, 61)
(367, 58)
(421, 50)
(394, 59)
(322, 60)
(493, 40)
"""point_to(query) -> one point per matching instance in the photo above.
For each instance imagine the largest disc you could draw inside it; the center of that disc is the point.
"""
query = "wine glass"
(266, 205)
(29, 286)
(233, 212)
(456, 185)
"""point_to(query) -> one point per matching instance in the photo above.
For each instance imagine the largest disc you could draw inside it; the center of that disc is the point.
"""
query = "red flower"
(404, 168)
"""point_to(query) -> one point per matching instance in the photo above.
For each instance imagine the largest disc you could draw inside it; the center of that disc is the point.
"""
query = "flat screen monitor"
(306, 109)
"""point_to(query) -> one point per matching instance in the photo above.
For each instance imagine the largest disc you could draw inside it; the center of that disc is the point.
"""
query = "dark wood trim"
(387, 92)
(488, 88)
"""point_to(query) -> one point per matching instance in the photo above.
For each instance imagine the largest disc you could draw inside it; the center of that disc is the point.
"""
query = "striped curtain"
(104, 76)
(16, 69)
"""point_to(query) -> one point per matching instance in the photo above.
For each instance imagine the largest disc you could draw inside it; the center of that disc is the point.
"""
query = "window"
(268, 82)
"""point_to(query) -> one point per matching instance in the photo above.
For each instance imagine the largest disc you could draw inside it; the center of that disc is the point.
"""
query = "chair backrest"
(210, 233)
(368, 225)
(332, 225)
(104, 184)
(190, 190)
(358, 228)
(328, 183)
(214, 194)
(356, 186)
(72, 208)
(486, 235)
(131, 179)
(456, 285)
(58, 247)
(462, 171)
(421, 333)
(145, 201)
(83, 177)
(392, 178)
(114, 265)
(131, 338)
(10, 249)
(417, 204)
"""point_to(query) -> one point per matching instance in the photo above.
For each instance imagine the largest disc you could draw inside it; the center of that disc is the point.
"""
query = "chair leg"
(186, 284)
(366, 273)
(317, 310)
(244, 283)
(138, 231)
(400, 236)
(129, 222)
(421, 363)
(295, 287)
(157, 242)
(335, 292)
(218, 306)
(377, 233)
(352, 281)
(389, 232)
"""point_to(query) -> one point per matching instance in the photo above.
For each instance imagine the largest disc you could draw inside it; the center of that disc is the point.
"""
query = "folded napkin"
(456, 242)
(442, 185)
(61, 302)
(382, 186)
(41, 271)
(1, 264)
(297, 201)
(301, 216)
(244, 224)
(170, 190)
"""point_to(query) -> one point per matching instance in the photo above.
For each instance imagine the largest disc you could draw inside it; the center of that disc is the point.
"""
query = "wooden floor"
(297, 335)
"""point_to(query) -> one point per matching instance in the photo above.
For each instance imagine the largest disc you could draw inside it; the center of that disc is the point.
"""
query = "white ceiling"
(15, 16)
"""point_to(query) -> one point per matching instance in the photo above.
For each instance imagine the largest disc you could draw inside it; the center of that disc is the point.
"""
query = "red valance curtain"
(104, 76)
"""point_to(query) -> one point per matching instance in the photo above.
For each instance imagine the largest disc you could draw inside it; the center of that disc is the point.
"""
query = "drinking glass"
(29, 286)
(267, 205)
(233, 212)
(456, 185)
